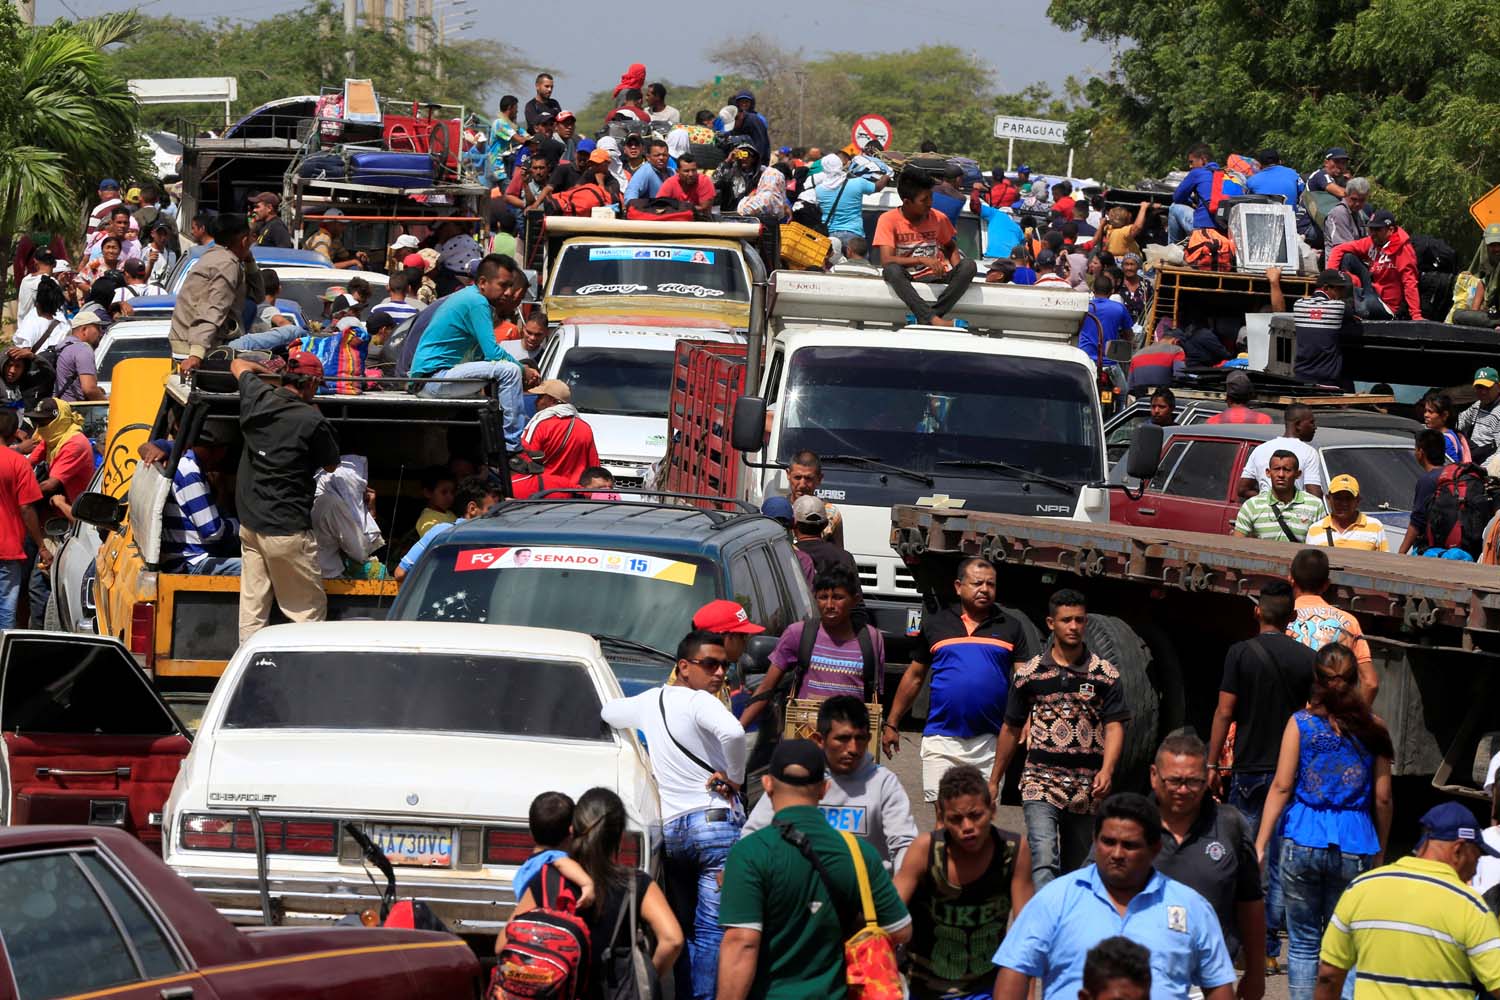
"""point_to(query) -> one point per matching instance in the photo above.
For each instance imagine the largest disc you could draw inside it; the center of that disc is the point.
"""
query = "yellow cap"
(1343, 484)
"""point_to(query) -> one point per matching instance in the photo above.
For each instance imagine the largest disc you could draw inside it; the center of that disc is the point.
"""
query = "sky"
(606, 42)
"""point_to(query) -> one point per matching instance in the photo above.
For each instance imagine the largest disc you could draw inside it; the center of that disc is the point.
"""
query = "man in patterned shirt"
(1077, 712)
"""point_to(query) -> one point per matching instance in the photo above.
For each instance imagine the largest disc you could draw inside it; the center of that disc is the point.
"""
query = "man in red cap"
(732, 624)
(286, 442)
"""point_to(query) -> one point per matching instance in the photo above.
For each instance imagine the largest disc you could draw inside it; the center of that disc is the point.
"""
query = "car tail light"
(143, 632)
(506, 846)
(630, 850)
(316, 838)
(215, 833)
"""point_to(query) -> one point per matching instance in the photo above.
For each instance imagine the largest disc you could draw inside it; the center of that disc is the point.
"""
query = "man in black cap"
(1386, 265)
(548, 148)
(1326, 325)
(267, 227)
(791, 894)
(1332, 175)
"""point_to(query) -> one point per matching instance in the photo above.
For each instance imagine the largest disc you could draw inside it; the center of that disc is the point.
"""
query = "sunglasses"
(711, 664)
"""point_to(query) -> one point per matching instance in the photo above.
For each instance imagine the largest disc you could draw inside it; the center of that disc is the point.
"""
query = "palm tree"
(68, 121)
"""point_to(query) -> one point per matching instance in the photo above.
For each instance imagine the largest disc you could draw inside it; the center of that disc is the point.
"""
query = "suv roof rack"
(718, 518)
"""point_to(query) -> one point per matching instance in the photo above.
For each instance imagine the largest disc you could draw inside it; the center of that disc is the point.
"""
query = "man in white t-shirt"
(1301, 426)
(698, 754)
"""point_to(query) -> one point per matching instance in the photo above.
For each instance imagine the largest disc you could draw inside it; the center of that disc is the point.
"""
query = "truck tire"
(1166, 677)
(1113, 640)
(1033, 634)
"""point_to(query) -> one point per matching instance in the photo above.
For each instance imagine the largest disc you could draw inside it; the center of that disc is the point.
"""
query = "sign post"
(1031, 130)
(871, 128)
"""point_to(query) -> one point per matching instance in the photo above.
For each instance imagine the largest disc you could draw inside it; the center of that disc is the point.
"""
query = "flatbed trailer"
(1433, 625)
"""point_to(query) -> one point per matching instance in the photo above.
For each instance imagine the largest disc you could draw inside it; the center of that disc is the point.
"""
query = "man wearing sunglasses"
(1210, 848)
(697, 750)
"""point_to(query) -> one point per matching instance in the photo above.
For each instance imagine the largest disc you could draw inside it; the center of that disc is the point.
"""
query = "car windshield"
(131, 347)
(307, 292)
(416, 691)
(916, 409)
(619, 382)
(1387, 476)
(679, 272)
(640, 596)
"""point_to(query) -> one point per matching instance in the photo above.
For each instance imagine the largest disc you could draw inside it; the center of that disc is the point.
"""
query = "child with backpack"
(551, 822)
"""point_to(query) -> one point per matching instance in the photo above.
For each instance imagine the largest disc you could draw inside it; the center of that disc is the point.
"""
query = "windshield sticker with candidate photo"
(589, 560)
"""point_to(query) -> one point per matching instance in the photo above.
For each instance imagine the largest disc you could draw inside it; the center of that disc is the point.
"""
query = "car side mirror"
(1119, 350)
(56, 527)
(758, 650)
(1144, 457)
(99, 509)
(749, 426)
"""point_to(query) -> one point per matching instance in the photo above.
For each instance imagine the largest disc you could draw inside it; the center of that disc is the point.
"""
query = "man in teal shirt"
(784, 930)
(464, 325)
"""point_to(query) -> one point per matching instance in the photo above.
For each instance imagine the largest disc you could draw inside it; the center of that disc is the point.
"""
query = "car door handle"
(1146, 511)
(123, 773)
(177, 993)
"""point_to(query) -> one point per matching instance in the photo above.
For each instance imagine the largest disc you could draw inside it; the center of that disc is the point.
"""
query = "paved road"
(908, 768)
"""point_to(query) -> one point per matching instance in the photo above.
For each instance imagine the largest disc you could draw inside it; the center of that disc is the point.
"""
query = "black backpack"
(1461, 509)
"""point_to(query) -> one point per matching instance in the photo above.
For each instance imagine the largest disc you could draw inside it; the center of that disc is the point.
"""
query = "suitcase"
(391, 169)
(323, 165)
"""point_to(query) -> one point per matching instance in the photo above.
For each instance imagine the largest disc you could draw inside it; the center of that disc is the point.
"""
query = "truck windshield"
(680, 272)
(917, 409)
(432, 692)
(619, 382)
(633, 595)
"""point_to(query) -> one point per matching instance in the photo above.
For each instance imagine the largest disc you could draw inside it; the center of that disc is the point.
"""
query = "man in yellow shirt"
(1346, 527)
(1415, 929)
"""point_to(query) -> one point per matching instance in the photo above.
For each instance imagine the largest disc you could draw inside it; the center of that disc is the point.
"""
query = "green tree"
(68, 119)
(1410, 87)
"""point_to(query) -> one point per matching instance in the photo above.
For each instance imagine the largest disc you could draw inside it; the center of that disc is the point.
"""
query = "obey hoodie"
(869, 803)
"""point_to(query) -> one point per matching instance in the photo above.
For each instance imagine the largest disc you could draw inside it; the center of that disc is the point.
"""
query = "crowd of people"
(1279, 823)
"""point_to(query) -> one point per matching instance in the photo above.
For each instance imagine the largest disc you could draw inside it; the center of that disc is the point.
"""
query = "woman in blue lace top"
(1333, 783)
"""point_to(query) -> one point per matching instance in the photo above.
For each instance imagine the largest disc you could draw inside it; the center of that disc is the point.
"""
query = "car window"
(417, 692)
(132, 347)
(151, 947)
(1117, 440)
(1387, 476)
(773, 608)
(77, 686)
(1203, 471)
(1199, 415)
(1168, 463)
(58, 933)
(742, 580)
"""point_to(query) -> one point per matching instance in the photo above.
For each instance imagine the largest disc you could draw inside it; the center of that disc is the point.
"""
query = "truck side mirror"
(99, 509)
(1144, 457)
(1119, 350)
(749, 431)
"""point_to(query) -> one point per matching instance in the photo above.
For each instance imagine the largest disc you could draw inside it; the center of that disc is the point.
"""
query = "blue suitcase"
(391, 169)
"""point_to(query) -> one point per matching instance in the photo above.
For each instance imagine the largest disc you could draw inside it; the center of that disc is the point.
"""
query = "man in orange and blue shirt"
(970, 650)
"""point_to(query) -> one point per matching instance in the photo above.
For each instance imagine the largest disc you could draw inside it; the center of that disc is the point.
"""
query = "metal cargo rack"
(1219, 292)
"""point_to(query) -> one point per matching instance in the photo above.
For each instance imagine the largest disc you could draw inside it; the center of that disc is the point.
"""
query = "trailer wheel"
(1166, 677)
(1117, 642)
(1028, 628)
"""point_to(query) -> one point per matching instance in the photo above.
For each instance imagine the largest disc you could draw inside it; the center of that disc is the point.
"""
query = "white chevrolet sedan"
(432, 739)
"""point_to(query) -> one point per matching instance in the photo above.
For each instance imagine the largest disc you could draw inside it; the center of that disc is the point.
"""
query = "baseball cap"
(1024, 168)
(1336, 153)
(1492, 233)
(109, 184)
(633, 135)
(1238, 383)
(134, 266)
(809, 510)
(599, 156)
(134, 194)
(1332, 278)
(723, 617)
(414, 260)
(268, 198)
(333, 213)
(45, 412)
(63, 267)
(798, 762)
(1486, 377)
(1046, 259)
(1343, 484)
(161, 226)
(1453, 821)
(85, 317)
(332, 292)
(340, 303)
(306, 364)
(566, 115)
(778, 509)
(554, 387)
(546, 118)
(350, 323)
(406, 241)
(585, 146)
(1382, 218)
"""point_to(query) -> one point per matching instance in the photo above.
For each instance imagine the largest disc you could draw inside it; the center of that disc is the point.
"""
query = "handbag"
(628, 971)
(870, 968)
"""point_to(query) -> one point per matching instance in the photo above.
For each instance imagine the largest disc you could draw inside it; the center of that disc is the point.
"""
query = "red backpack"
(580, 199)
(1461, 509)
(1209, 250)
(547, 951)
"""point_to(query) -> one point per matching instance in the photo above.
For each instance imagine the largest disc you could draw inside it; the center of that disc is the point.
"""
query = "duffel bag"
(323, 165)
(659, 209)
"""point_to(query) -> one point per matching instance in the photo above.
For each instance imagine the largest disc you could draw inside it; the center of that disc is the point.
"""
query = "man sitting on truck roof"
(691, 185)
(559, 433)
(463, 323)
(1159, 364)
(196, 538)
(918, 244)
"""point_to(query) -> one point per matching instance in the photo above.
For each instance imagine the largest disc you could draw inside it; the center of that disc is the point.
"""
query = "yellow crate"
(804, 249)
(802, 718)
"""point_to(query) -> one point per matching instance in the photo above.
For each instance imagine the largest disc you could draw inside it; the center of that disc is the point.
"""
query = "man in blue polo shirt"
(1120, 894)
(1274, 177)
(970, 650)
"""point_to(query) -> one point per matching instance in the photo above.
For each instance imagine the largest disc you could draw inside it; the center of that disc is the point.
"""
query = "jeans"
(270, 340)
(1312, 879)
(1367, 302)
(1247, 793)
(12, 572)
(40, 586)
(695, 851)
(958, 282)
(1180, 223)
(217, 566)
(1059, 840)
(507, 376)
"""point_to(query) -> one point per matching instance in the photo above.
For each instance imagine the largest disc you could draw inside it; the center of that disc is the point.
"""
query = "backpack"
(1209, 250)
(659, 210)
(1315, 207)
(579, 200)
(547, 950)
(1461, 508)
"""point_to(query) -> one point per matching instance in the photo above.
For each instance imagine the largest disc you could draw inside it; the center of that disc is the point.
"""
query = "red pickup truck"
(91, 912)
